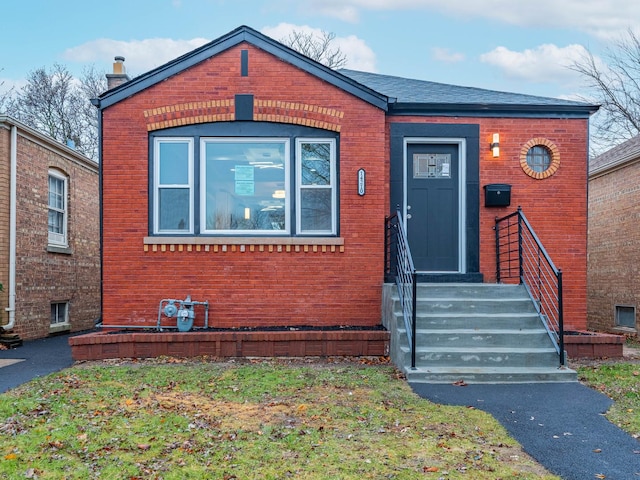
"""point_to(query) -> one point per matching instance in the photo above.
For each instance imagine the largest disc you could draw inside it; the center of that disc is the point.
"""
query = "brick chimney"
(119, 75)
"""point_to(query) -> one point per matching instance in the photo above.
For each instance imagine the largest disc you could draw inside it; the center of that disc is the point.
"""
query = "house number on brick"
(361, 182)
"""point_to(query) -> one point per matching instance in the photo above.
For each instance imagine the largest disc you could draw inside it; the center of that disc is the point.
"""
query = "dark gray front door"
(433, 206)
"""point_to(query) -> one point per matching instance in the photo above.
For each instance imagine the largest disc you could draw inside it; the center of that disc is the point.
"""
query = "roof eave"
(616, 165)
(491, 110)
(50, 142)
(232, 39)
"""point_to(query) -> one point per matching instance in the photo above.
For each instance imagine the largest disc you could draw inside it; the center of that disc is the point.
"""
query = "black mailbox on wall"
(497, 195)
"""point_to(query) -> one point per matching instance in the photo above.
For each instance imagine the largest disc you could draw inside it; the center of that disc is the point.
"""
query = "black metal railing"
(399, 267)
(520, 255)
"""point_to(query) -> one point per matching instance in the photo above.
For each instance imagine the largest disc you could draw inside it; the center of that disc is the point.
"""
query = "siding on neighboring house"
(614, 237)
(46, 274)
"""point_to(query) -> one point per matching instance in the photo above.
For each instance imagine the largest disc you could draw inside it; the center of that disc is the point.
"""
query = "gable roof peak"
(230, 40)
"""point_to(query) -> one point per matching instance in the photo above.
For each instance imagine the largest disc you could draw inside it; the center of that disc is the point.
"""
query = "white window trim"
(157, 186)
(203, 190)
(65, 320)
(300, 187)
(59, 239)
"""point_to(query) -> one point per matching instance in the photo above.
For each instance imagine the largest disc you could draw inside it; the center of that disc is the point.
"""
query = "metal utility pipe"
(12, 229)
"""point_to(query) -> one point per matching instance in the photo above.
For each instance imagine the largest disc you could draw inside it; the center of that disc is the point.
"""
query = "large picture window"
(223, 185)
(173, 181)
(245, 185)
(57, 208)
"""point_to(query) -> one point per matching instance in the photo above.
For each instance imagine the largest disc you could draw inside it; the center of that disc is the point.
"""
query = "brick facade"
(614, 246)
(249, 281)
(268, 281)
(45, 275)
(555, 206)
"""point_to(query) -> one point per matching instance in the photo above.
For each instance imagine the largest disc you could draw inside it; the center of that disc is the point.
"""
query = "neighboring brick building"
(56, 252)
(231, 174)
(614, 239)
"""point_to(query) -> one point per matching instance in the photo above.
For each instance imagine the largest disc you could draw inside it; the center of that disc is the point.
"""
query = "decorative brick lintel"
(104, 345)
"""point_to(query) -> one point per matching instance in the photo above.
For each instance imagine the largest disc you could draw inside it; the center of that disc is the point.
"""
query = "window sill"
(59, 327)
(243, 244)
(59, 249)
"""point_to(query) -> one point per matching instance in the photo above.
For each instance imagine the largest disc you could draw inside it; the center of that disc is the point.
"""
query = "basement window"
(625, 316)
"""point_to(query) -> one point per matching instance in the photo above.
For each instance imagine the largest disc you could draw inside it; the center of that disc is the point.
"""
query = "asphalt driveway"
(561, 425)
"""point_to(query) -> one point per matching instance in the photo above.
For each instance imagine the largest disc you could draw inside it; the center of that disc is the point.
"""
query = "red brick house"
(614, 240)
(49, 235)
(246, 175)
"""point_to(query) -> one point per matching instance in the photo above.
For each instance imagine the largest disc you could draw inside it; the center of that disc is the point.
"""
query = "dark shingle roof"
(413, 92)
(625, 152)
(393, 94)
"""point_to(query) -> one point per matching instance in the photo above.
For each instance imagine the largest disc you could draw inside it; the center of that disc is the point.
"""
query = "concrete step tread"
(479, 315)
(479, 350)
(478, 331)
(488, 370)
(490, 375)
(450, 298)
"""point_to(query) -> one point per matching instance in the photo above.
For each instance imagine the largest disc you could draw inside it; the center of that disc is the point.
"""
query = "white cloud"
(359, 55)
(542, 64)
(6, 84)
(446, 55)
(600, 18)
(140, 55)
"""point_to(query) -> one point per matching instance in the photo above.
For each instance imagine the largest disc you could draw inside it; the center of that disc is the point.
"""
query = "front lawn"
(260, 420)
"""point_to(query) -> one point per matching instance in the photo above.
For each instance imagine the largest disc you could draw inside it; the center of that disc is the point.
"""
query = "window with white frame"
(222, 185)
(59, 313)
(316, 192)
(57, 208)
(173, 180)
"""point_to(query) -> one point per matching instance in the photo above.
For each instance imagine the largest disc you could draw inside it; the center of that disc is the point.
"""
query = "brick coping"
(224, 344)
(586, 344)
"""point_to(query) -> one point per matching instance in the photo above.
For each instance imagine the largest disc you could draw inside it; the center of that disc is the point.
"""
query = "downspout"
(12, 229)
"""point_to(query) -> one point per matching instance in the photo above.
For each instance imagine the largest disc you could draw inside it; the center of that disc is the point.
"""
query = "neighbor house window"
(59, 313)
(625, 316)
(244, 186)
(173, 179)
(57, 208)
(316, 186)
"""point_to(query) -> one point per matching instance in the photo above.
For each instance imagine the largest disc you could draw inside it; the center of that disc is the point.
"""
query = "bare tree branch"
(316, 47)
(57, 104)
(4, 96)
(616, 87)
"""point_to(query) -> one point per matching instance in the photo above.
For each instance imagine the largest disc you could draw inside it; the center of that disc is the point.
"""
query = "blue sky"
(520, 46)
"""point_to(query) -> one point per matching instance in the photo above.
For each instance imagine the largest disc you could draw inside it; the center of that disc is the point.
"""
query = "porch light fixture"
(495, 145)
(247, 213)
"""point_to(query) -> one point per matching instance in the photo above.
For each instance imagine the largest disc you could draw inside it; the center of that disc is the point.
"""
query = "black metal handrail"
(520, 254)
(399, 266)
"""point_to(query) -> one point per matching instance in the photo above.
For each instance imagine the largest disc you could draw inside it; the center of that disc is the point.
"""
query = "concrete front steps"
(474, 333)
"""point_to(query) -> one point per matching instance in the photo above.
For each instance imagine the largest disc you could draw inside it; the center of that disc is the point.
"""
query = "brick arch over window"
(553, 152)
(225, 110)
